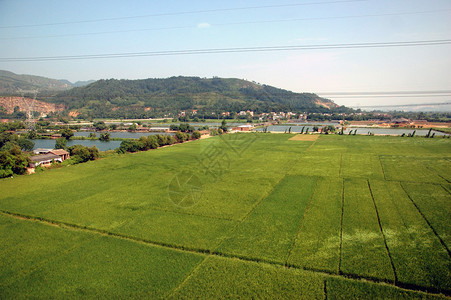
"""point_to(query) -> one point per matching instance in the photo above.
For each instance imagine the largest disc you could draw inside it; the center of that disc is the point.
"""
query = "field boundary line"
(446, 190)
(437, 173)
(206, 253)
(325, 289)
(171, 293)
(383, 234)
(301, 225)
(341, 224)
(382, 167)
(341, 165)
(191, 214)
(427, 221)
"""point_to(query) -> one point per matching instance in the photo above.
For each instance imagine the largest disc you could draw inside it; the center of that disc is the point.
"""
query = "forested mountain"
(120, 98)
(11, 83)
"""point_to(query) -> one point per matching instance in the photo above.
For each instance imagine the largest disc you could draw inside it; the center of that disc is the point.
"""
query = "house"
(44, 159)
(243, 127)
(63, 154)
(41, 151)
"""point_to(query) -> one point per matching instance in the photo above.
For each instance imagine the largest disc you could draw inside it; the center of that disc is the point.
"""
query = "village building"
(41, 151)
(47, 156)
(43, 159)
(61, 153)
(243, 128)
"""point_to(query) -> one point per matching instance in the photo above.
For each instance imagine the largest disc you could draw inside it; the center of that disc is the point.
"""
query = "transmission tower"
(30, 122)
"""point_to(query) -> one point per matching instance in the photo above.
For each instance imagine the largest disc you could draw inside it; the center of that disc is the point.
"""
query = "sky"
(350, 75)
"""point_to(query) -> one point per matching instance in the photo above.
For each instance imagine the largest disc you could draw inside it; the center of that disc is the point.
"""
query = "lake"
(102, 146)
(360, 130)
(122, 135)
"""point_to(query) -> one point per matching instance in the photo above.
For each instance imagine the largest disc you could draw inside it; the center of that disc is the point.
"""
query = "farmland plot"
(418, 256)
(434, 203)
(269, 231)
(363, 251)
(282, 219)
(318, 241)
(212, 280)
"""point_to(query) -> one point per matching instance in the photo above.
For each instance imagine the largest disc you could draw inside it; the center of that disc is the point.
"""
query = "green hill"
(116, 98)
(11, 83)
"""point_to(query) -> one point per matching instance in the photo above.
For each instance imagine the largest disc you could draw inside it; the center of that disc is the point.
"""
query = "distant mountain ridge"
(175, 94)
(156, 97)
(11, 83)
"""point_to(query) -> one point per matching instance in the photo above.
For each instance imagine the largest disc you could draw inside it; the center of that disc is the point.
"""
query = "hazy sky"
(144, 26)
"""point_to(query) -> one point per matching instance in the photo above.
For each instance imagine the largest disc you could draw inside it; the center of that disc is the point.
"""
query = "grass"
(213, 280)
(418, 256)
(318, 241)
(363, 251)
(337, 217)
(434, 204)
(268, 232)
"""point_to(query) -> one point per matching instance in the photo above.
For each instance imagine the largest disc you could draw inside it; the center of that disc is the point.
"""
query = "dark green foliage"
(196, 135)
(99, 125)
(66, 133)
(92, 135)
(105, 137)
(184, 127)
(25, 145)
(181, 137)
(328, 129)
(12, 161)
(11, 126)
(223, 126)
(174, 94)
(81, 154)
(61, 143)
(146, 143)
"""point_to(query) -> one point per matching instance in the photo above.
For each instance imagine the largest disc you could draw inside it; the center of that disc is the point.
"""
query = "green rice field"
(248, 215)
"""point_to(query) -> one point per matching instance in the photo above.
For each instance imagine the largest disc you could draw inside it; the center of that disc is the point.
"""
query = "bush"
(104, 137)
(12, 161)
(82, 154)
(181, 137)
(196, 135)
(61, 143)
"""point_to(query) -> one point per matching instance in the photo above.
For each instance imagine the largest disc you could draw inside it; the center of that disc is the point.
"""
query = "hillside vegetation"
(11, 83)
(110, 98)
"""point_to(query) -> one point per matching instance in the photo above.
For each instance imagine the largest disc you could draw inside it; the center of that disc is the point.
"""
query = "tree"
(25, 145)
(32, 135)
(12, 160)
(104, 137)
(180, 136)
(99, 125)
(66, 133)
(315, 128)
(223, 126)
(61, 143)
(132, 127)
(92, 135)
(82, 154)
(196, 135)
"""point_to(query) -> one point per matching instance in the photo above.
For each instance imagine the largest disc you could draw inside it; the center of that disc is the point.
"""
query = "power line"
(228, 50)
(182, 13)
(401, 105)
(388, 92)
(385, 96)
(227, 24)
